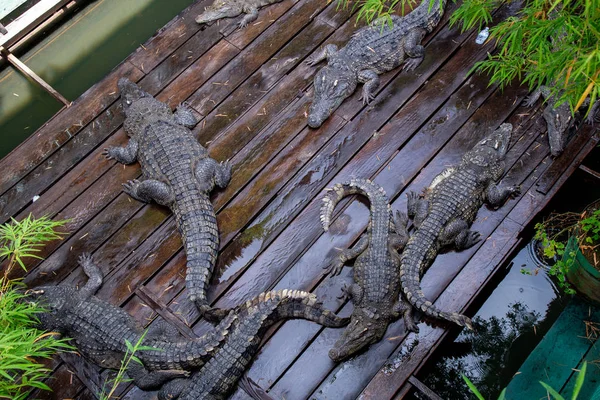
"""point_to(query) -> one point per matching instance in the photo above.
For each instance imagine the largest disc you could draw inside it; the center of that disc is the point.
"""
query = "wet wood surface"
(251, 90)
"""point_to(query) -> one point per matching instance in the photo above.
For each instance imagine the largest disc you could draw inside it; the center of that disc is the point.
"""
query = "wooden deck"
(252, 90)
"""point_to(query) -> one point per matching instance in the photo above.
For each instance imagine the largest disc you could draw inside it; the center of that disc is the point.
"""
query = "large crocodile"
(376, 289)
(371, 51)
(447, 210)
(177, 172)
(559, 118)
(99, 331)
(219, 376)
(232, 8)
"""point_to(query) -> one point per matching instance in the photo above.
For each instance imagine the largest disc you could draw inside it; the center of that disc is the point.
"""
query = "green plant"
(22, 345)
(127, 359)
(549, 42)
(555, 232)
(551, 392)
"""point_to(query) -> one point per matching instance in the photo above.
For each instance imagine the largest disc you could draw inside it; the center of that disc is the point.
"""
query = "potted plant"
(572, 240)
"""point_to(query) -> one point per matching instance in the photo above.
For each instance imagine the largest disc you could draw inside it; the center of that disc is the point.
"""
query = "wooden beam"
(25, 70)
(430, 394)
(590, 171)
(29, 20)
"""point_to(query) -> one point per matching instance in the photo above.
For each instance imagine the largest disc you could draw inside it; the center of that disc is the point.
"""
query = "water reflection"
(507, 328)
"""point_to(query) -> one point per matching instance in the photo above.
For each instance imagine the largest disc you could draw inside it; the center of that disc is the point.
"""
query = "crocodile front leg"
(536, 94)
(185, 116)
(251, 15)
(371, 83)
(413, 49)
(400, 238)
(148, 190)
(124, 155)
(324, 54)
(93, 273)
(591, 117)
(496, 196)
(162, 330)
(404, 309)
(172, 390)
(152, 380)
(416, 208)
(336, 266)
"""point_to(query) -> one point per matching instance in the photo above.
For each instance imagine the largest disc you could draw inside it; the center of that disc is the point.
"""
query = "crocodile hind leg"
(93, 273)
(354, 293)
(124, 155)
(416, 208)
(185, 116)
(251, 15)
(400, 227)
(152, 380)
(148, 190)
(210, 173)
(457, 232)
(336, 266)
(371, 83)
(413, 49)
(323, 54)
(162, 330)
(404, 309)
(496, 195)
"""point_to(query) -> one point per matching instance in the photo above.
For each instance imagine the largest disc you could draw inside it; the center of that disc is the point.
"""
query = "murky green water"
(513, 319)
(74, 57)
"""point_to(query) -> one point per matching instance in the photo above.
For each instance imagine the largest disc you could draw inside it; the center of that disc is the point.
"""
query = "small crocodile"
(178, 173)
(232, 8)
(376, 292)
(219, 376)
(447, 210)
(559, 118)
(371, 51)
(99, 330)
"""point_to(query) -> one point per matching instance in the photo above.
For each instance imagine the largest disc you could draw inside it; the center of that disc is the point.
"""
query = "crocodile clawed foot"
(529, 101)
(311, 61)
(106, 153)
(130, 187)
(335, 268)
(366, 98)
(411, 64)
(85, 258)
(515, 191)
(242, 24)
(345, 295)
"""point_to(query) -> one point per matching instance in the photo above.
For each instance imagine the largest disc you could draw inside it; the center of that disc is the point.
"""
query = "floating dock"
(251, 89)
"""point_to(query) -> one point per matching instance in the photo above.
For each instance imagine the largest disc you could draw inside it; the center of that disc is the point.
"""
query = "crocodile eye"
(128, 102)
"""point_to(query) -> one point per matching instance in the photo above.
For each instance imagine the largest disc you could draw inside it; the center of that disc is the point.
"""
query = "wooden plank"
(430, 394)
(590, 388)
(560, 350)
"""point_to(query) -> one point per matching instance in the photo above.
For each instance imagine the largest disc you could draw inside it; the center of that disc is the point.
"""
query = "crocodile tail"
(198, 227)
(379, 201)
(294, 304)
(417, 298)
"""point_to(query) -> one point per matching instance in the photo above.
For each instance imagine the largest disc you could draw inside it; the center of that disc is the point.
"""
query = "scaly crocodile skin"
(447, 210)
(376, 288)
(232, 8)
(176, 172)
(371, 51)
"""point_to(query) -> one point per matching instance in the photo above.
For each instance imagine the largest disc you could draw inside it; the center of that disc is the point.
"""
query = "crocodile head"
(219, 9)
(130, 92)
(558, 120)
(366, 327)
(332, 86)
(492, 148)
(55, 300)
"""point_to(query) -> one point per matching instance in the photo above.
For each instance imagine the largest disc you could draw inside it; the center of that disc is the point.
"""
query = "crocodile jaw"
(360, 333)
(332, 87)
(130, 92)
(219, 9)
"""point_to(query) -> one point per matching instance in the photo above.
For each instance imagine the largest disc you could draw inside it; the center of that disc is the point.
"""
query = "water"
(75, 56)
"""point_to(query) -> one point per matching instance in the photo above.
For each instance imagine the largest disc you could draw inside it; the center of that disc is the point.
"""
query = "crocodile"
(219, 375)
(443, 215)
(371, 51)
(176, 172)
(559, 118)
(375, 292)
(232, 8)
(100, 330)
